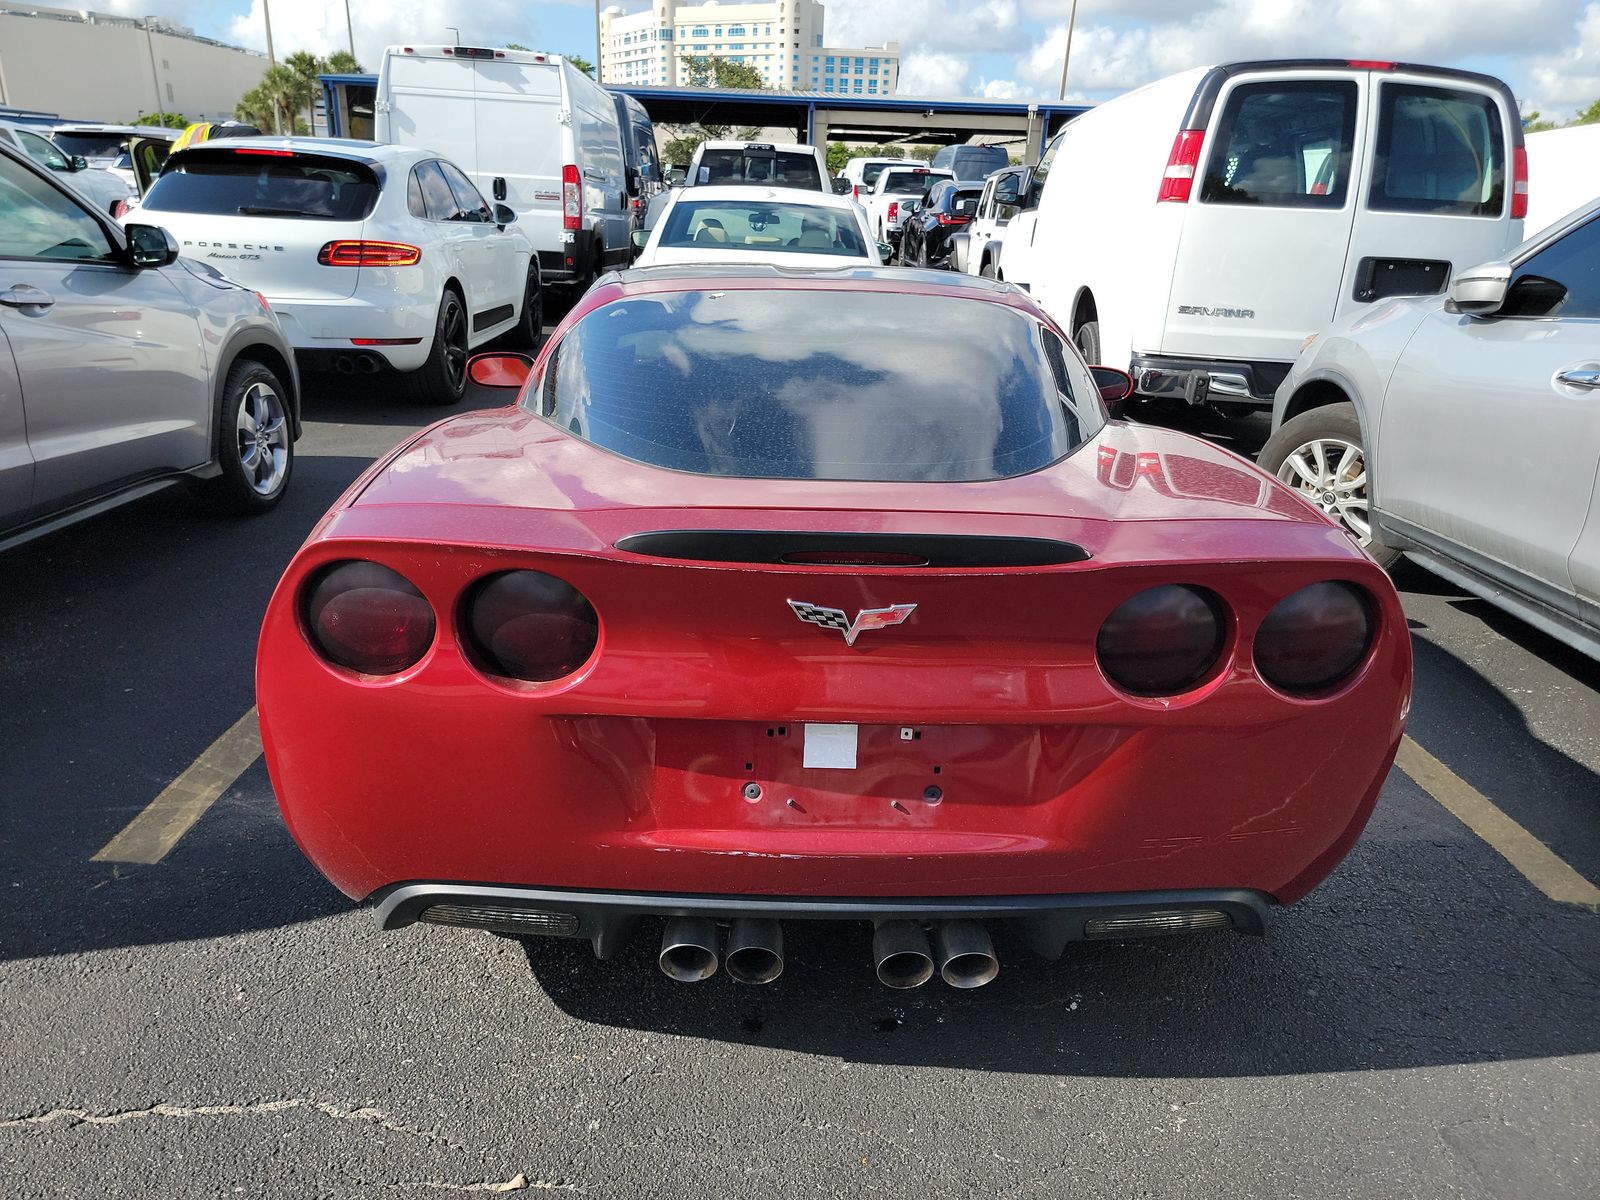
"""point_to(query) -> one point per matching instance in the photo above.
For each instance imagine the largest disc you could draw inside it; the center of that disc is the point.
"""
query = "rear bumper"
(575, 262)
(325, 328)
(1208, 381)
(608, 919)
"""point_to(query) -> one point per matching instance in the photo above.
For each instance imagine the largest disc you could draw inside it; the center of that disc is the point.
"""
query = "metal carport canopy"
(817, 116)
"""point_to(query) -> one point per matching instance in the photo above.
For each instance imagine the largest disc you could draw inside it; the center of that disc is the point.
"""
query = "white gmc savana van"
(1197, 231)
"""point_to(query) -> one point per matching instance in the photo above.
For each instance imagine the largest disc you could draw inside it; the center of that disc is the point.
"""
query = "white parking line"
(157, 828)
(1537, 863)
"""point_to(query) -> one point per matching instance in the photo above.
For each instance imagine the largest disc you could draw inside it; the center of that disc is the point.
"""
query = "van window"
(1439, 151)
(1046, 160)
(1284, 144)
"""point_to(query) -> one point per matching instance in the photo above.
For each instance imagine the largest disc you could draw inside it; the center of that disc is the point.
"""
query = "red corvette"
(787, 596)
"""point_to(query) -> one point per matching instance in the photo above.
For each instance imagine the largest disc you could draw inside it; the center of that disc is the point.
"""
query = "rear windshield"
(911, 183)
(91, 145)
(265, 185)
(1439, 151)
(819, 384)
(756, 225)
(1283, 144)
(782, 169)
(871, 171)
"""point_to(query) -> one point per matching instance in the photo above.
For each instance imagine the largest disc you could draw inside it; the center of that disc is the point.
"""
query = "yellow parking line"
(1538, 864)
(156, 830)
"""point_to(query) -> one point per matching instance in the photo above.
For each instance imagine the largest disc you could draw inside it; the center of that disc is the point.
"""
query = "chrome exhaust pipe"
(965, 954)
(900, 952)
(689, 949)
(754, 953)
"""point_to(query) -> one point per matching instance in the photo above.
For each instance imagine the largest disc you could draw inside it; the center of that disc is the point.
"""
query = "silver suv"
(123, 369)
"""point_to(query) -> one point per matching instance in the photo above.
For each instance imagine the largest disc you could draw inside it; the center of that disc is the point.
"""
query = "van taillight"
(1519, 183)
(571, 198)
(1178, 180)
(894, 210)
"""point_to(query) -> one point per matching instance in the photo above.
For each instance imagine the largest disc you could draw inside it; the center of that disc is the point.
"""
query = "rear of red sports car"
(836, 596)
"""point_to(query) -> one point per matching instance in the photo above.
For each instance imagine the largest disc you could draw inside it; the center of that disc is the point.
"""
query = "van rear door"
(1268, 222)
(1438, 188)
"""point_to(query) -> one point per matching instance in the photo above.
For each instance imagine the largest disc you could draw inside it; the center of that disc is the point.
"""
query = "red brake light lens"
(1369, 64)
(1182, 163)
(1519, 183)
(894, 210)
(1314, 639)
(265, 153)
(529, 625)
(1162, 641)
(368, 618)
(571, 198)
(369, 254)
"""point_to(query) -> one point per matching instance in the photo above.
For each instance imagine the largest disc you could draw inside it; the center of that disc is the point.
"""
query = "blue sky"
(1548, 50)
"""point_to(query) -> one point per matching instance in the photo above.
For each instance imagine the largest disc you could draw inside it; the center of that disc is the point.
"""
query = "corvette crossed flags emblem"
(866, 619)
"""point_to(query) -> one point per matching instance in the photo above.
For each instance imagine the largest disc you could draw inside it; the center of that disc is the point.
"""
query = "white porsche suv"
(372, 256)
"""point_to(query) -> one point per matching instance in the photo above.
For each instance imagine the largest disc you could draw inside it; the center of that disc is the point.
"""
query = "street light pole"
(349, 29)
(599, 52)
(1066, 57)
(272, 61)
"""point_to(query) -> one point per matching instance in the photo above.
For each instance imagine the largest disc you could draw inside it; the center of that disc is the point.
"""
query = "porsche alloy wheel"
(1321, 456)
(442, 379)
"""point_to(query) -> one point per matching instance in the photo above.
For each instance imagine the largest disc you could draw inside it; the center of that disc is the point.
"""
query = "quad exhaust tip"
(901, 954)
(755, 950)
(965, 954)
(689, 949)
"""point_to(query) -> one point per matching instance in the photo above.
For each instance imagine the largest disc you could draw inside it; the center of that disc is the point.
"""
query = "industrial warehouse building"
(784, 40)
(95, 66)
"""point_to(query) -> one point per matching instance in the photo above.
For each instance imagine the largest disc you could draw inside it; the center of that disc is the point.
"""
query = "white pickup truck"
(884, 204)
(976, 249)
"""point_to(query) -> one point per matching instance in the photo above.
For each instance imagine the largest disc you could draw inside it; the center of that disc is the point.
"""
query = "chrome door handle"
(1588, 380)
(25, 295)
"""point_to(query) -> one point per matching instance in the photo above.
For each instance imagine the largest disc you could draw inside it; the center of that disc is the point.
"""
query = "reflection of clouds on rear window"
(827, 384)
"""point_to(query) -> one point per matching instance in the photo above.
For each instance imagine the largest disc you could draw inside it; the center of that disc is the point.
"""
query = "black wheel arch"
(1083, 310)
(251, 344)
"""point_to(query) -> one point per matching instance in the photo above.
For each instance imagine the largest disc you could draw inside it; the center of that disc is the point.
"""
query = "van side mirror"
(640, 237)
(1481, 291)
(1115, 388)
(78, 163)
(967, 208)
(498, 187)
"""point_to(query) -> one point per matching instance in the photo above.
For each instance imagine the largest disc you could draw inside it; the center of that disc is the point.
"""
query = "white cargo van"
(532, 131)
(1196, 231)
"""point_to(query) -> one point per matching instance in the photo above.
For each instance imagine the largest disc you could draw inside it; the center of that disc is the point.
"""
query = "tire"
(1087, 337)
(443, 378)
(529, 329)
(989, 270)
(1311, 454)
(255, 442)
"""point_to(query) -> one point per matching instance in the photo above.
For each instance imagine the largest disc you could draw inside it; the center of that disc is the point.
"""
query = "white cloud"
(1002, 89)
(938, 25)
(1559, 84)
(942, 75)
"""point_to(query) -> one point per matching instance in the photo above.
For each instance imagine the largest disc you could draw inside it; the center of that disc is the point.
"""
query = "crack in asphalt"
(81, 1116)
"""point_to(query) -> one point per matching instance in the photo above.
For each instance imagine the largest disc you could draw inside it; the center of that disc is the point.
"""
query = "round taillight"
(1162, 641)
(364, 616)
(1314, 638)
(529, 625)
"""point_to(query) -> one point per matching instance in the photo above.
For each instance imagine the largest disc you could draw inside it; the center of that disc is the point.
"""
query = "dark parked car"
(925, 235)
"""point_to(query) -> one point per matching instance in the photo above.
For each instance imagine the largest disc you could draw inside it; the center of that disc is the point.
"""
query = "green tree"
(890, 151)
(711, 71)
(307, 69)
(838, 155)
(1588, 116)
(342, 62)
(925, 153)
(167, 120)
(274, 103)
(577, 60)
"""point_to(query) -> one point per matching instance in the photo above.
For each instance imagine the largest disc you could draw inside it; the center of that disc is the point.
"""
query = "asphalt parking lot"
(221, 1022)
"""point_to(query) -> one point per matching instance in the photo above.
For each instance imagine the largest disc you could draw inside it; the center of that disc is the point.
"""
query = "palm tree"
(307, 69)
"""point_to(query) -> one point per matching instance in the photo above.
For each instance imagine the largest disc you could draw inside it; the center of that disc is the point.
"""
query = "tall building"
(783, 40)
(101, 67)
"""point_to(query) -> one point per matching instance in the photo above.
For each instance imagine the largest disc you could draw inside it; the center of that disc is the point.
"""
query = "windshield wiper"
(255, 210)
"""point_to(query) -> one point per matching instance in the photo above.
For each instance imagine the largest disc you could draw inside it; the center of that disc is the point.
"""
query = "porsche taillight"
(356, 252)
(368, 618)
(530, 626)
(1314, 639)
(1162, 641)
